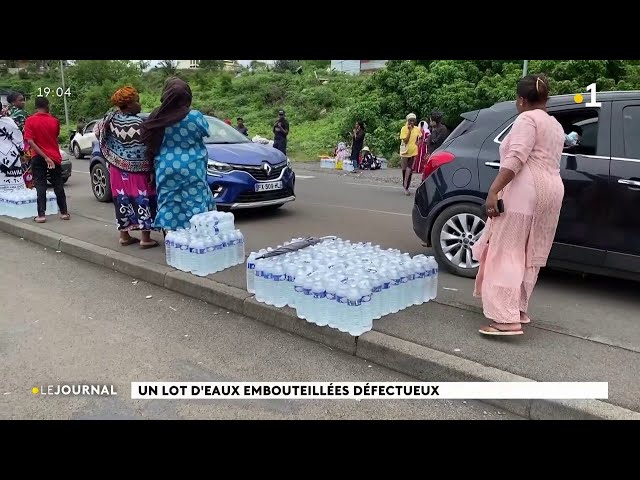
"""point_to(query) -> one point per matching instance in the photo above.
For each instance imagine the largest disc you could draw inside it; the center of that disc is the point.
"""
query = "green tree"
(211, 65)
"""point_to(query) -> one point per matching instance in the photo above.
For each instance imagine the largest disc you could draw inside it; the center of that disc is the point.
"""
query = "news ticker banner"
(371, 390)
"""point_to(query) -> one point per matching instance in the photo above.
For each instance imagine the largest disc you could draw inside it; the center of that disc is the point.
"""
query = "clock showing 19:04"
(58, 92)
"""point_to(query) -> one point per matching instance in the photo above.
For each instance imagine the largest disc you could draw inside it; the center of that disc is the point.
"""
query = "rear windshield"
(459, 130)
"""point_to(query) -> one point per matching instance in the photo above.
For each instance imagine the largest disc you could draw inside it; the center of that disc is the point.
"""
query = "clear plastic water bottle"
(298, 285)
(307, 298)
(278, 279)
(354, 301)
(319, 294)
(197, 250)
(267, 279)
(330, 301)
(168, 248)
(259, 280)
(394, 292)
(251, 272)
(434, 278)
(342, 307)
(240, 246)
(290, 272)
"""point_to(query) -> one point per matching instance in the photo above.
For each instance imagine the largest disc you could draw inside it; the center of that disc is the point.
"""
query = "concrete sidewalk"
(433, 342)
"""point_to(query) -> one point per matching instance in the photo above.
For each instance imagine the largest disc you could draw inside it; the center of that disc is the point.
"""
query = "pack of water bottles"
(23, 203)
(211, 244)
(341, 284)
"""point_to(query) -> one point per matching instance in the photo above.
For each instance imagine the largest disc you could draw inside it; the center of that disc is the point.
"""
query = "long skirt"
(135, 201)
(504, 282)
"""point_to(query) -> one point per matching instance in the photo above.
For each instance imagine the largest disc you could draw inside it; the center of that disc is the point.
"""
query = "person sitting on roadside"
(132, 187)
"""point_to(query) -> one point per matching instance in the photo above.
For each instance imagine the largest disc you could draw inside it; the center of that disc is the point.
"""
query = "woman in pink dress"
(516, 243)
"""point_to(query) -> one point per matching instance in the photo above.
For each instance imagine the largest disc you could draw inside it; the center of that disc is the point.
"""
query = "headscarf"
(176, 104)
(124, 96)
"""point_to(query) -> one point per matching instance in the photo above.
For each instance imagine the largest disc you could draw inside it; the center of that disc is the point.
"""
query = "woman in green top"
(15, 109)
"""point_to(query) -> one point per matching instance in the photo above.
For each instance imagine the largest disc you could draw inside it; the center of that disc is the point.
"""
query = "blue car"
(241, 174)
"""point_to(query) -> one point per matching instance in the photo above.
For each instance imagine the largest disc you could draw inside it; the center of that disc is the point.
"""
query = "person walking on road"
(41, 132)
(281, 132)
(409, 135)
(357, 143)
(516, 242)
(132, 186)
(174, 136)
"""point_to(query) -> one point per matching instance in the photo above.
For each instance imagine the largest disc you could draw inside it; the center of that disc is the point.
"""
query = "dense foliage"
(322, 107)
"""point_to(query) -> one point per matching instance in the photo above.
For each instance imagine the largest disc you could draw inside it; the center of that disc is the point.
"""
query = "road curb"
(400, 355)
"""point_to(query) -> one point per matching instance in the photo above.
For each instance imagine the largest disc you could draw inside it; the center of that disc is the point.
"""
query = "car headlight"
(218, 166)
(288, 162)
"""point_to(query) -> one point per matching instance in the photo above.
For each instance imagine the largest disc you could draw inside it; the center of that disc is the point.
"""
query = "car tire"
(100, 183)
(466, 222)
(77, 153)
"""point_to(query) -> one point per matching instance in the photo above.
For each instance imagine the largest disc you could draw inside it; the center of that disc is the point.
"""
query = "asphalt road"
(371, 206)
(68, 321)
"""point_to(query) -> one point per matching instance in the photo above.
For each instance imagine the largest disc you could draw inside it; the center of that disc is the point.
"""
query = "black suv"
(599, 228)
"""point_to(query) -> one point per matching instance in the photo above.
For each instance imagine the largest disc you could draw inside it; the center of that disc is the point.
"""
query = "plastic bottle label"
(319, 294)
(377, 289)
(354, 303)
(422, 274)
(298, 289)
(395, 282)
(404, 279)
(267, 275)
(365, 299)
(201, 251)
(306, 291)
(330, 296)
(291, 278)
(251, 266)
(340, 299)
(278, 278)
(412, 277)
(386, 285)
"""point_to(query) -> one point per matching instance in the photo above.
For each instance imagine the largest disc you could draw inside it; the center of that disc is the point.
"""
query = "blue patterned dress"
(181, 173)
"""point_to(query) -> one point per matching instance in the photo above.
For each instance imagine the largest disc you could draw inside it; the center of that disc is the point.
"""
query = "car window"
(502, 136)
(631, 130)
(89, 128)
(220, 132)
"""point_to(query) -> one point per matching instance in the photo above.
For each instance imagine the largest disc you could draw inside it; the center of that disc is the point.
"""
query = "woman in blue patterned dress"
(174, 136)
(134, 195)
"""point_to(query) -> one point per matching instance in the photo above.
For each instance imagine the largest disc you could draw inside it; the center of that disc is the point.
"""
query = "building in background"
(228, 65)
(356, 67)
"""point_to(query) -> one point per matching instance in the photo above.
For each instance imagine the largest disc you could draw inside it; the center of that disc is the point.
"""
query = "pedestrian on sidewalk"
(132, 186)
(174, 136)
(41, 132)
(409, 135)
(516, 242)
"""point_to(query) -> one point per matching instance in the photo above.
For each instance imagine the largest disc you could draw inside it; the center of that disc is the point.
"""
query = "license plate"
(268, 186)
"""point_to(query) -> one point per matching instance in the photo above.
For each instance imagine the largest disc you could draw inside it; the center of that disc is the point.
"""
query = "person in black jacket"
(439, 132)
(357, 143)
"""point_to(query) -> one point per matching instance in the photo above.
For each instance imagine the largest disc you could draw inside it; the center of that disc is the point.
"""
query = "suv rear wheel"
(100, 183)
(454, 233)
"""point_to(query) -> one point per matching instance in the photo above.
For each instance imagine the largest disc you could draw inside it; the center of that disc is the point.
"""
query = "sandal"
(145, 246)
(524, 318)
(65, 216)
(128, 242)
(39, 219)
(498, 330)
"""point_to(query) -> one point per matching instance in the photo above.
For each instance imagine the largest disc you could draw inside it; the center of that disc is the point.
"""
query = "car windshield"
(220, 132)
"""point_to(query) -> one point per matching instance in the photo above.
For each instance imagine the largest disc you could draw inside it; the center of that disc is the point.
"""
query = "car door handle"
(492, 164)
(631, 183)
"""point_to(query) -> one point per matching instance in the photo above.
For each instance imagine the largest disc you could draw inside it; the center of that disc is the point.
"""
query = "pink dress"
(514, 245)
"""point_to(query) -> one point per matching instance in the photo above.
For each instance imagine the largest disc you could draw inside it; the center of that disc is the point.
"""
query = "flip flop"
(494, 330)
(149, 245)
(524, 322)
(131, 241)
(39, 220)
